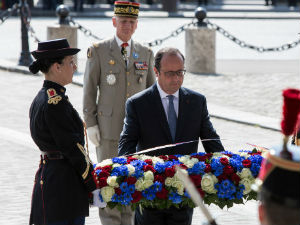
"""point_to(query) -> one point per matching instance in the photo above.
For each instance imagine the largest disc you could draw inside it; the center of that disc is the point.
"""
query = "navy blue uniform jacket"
(146, 125)
(61, 185)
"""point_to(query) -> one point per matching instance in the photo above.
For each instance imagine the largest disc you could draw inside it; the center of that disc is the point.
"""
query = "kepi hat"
(127, 9)
(54, 48)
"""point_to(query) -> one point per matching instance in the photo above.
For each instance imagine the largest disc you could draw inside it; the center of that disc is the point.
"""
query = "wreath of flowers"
(222, 178)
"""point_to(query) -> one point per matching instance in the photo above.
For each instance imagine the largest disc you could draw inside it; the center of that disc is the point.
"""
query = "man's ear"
(56, 67)
(114, 21)
(156, 71)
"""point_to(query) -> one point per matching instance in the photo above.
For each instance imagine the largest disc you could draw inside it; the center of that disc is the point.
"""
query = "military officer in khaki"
(116, 69)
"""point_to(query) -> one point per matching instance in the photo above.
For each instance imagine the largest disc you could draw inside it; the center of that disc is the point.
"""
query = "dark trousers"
(78, 221)
(172, 216)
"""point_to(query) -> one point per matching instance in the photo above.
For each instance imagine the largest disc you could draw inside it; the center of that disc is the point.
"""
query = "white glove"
(96, 199)
(94, 135)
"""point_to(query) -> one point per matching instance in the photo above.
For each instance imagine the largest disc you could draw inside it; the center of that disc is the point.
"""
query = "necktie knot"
(124, 45)
(170, 97)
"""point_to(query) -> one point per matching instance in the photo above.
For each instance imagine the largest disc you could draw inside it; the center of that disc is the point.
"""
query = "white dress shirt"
(165, 100)
(120, 42)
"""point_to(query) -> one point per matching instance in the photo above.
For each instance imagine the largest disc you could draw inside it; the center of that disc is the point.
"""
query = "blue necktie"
(172, 118)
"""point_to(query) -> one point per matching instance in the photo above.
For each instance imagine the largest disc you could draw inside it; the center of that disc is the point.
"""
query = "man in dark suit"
(163, 114)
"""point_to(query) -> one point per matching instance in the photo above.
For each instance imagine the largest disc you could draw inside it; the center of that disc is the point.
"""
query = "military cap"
(279, 178)
(128, 9)
(54, 48)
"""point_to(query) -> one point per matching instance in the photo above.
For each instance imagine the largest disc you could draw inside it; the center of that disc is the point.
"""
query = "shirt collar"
(119, 42)
(164, 94)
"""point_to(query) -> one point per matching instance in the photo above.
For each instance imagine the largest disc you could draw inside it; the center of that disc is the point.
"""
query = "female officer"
(65, 175)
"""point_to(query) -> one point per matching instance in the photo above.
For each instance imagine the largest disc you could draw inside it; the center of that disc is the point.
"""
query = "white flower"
(148, 175)
(112, 181)
(111, 79)
(106, 162)
(217, 154)
(190, 163)
(184, 159)
(179, 186)
(130, 168)
(245, 173)
(208, 183)
(247, 182)
(147, 183)
(139, 184)
(244, 154)
(168, 181)
(116, 165)
(107, 192)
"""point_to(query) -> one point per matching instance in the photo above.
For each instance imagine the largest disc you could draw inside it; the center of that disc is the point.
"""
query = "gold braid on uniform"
(87, 160)
(86, 139)
(53, 97)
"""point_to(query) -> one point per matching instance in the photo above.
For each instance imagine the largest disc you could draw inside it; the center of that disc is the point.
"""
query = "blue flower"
(120, 171)
(175, 198)
(138, 173)
(198, 168)
(119, 160)
(98, 171)
(236, 164)
(149, 194)
(160, 167)
(255, 167)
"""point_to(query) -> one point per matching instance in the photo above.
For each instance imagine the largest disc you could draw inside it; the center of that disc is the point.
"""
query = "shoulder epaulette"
(53, 97)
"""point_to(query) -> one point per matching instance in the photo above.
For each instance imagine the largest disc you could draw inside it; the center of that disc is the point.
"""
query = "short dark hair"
(165, 51)
(44, 64)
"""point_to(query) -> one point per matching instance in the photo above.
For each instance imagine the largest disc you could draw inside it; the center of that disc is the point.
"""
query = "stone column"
(200, 50)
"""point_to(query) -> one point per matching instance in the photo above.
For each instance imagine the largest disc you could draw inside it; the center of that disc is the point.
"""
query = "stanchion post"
(25, 58)
(200, 44)
(63, 28)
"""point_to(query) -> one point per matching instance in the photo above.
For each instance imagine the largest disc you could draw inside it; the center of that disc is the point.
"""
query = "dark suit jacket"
(146, 125)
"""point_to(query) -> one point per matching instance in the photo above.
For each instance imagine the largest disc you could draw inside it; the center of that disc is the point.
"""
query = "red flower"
(160, 178)
(224, 161)
(207, 168)
(222, 177)
(118, 191)
(149, 167)
(201, 158)
(183, 166)
(247, 163)
(235, 178)
(130, 159)
(148, 161)
(107, 168)
(136, 196)
(229, 155)
(173, 157)
(163, 157)
(130, 180)
(103, 173)
(209, 155)
(163, 194)
(228, 170)
(196, 179)
(102, 182)
(201, 192)
(170, 172)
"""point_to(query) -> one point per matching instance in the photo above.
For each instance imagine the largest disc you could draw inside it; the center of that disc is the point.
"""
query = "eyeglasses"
(179, 73)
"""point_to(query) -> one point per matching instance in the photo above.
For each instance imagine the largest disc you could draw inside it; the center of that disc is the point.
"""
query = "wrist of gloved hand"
(96, 199)
(94, 134)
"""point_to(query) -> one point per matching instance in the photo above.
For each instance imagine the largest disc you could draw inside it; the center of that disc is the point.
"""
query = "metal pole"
(200, 14)
(25, 58)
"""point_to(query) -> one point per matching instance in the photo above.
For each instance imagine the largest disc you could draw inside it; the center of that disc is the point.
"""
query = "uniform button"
(41, 182)
(128, 84)
(127, 95)
(127, 73)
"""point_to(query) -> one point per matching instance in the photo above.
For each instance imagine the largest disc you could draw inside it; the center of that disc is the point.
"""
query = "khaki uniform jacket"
(108, 83)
